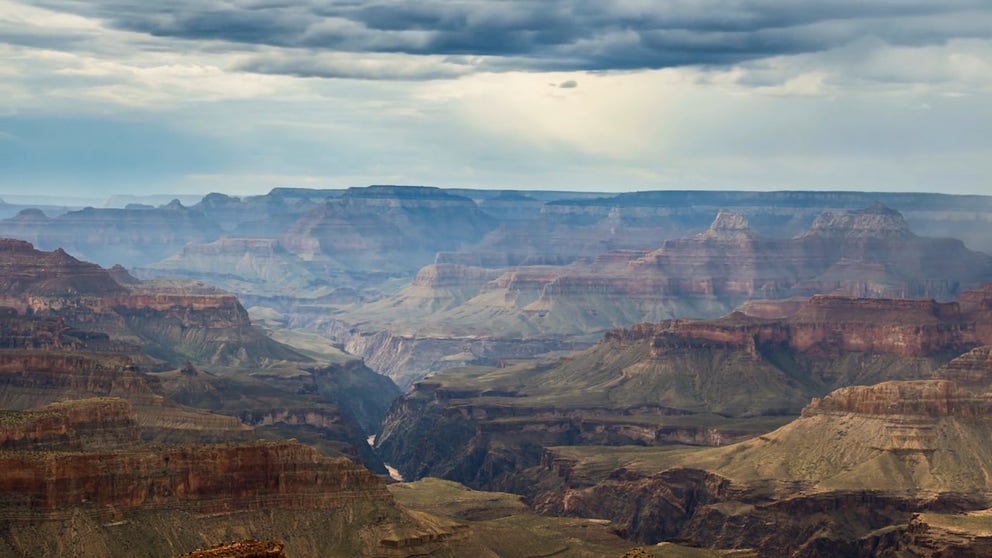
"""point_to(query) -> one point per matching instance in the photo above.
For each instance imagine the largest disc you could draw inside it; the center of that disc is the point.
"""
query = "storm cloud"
(534, 35)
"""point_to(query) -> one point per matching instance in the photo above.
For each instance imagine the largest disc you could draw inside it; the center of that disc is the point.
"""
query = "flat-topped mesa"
(453, 275)
(74, 425)
(843, 308)
(398, 191)
(876, 221)
(826, 324)
(728, 225)
(922, 398)
(237, 245)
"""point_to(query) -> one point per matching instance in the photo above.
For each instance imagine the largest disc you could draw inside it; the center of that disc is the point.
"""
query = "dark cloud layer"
(541, 34)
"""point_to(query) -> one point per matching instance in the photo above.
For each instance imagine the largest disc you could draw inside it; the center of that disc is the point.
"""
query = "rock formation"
(172, 321)
(241, 549)
(80, 468)
(72, 329)
(871, 470)
(864, 253)
(699, 382)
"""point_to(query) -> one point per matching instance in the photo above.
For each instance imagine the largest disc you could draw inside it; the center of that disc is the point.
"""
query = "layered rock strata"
(864, 253)
(857, 475)
(172, 321)
(80, 468)
(700, 382)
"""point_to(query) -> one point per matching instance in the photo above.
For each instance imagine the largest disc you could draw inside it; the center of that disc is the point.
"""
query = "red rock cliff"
(207, 479)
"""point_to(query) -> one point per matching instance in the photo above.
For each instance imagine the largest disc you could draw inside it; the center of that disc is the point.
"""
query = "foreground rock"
(75, 479)
(241, 549)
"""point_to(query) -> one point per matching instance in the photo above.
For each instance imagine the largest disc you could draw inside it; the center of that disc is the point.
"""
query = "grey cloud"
(570, 84)
(353, 67)
(545, 34)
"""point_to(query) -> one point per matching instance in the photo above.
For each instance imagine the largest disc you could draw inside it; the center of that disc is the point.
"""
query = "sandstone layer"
(172, 321)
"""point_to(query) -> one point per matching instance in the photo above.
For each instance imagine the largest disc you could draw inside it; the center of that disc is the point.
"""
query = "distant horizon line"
(120, 199)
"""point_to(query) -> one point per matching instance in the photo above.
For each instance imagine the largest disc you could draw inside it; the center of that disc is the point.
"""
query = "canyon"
(692, 373)
(698, 382)
(865, 253)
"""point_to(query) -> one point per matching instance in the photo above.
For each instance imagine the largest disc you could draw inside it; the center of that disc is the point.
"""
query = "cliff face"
(70, 426)
(388, 226)
(80, 467)
(206, 479)
(32, 378)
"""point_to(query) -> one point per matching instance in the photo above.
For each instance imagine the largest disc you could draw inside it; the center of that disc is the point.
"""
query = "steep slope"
(844, 479)
(681, 381)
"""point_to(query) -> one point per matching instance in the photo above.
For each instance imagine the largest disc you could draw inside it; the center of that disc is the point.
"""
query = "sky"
(239, 96)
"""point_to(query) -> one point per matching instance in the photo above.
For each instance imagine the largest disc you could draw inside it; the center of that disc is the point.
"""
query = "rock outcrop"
(241, 549)
(80, 467)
